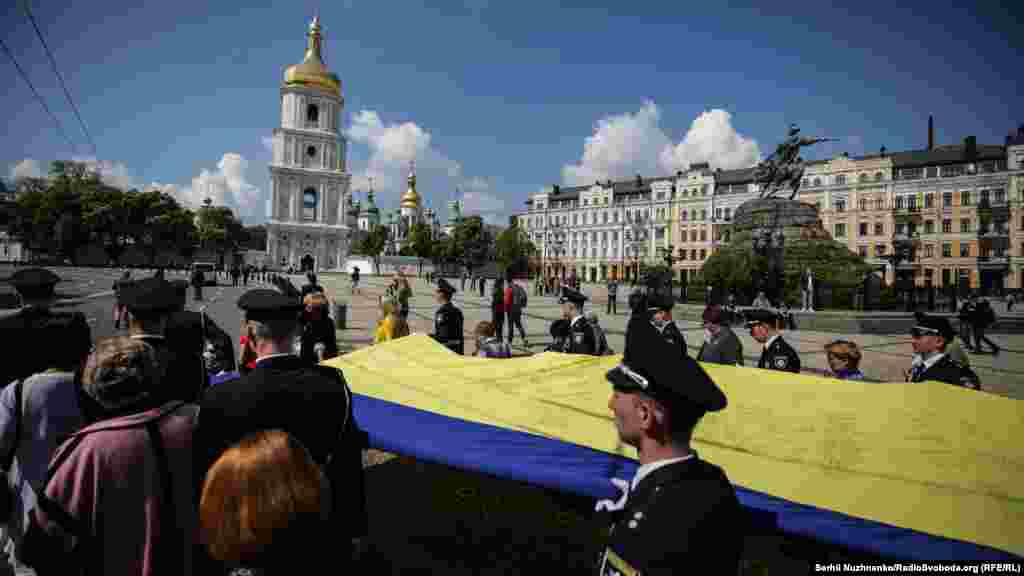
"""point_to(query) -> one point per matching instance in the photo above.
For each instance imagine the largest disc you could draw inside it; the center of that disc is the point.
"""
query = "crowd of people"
(106, 458)
(124, 457)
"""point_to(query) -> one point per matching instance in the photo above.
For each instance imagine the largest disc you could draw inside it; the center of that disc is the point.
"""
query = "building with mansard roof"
(953, 215)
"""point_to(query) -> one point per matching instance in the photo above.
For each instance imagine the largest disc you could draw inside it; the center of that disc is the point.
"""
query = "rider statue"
(785, 167)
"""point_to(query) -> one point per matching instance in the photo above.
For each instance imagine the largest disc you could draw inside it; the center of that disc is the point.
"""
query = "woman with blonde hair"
(844, 360)
(265, 502)
(391, 324)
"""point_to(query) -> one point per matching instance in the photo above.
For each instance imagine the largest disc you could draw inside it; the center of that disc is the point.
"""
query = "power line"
(39, 98)
(53, 63)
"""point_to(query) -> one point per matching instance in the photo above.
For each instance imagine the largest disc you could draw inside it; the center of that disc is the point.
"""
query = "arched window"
(817, 181)
(309, 202)
(312, 114)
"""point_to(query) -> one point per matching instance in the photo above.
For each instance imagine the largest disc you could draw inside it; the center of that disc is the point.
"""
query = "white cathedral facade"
(308, 225)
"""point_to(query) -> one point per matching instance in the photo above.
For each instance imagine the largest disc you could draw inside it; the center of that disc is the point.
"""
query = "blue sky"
(501, 98)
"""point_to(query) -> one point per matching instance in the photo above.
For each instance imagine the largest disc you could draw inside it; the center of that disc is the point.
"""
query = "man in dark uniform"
(311, 286)
(21, 329)
(313, 403)
(777, 353)
(929, 337)
(660, 306)
(151, 303)
(195, 335)
(447, 319)
(678, 511)
(581, 338)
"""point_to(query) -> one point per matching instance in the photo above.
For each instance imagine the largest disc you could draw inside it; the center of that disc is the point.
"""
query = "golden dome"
(411, 199)
(312, 73)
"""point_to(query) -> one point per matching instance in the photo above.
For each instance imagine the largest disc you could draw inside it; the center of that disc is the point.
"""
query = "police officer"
(678, 511)
(151, 303)
(929, 337)
(313, 403)
(21, 329)
(777, 353)
(447, 319)
(581, 338)
(660, 307)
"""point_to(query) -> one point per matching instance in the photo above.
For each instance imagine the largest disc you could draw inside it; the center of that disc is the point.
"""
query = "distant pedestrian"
(355, 279)
(981, 318)
(613, 292)
(197, 281)
(515, 312)
(498, 306)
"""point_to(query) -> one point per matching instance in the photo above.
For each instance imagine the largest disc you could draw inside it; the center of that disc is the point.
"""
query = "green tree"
(421, 244)
(472, 242)
(218, 228)
(373, 245)
(107, 217)
(513, 249)
(32, 221)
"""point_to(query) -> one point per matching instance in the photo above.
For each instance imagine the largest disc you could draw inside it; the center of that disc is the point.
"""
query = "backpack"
(519, 297)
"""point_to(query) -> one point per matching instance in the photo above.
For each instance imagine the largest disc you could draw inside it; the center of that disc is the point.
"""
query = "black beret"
(659, 301)
(933, 325)
(656, 368)
(264, 304)
(150, 296)
(760, 316)
(34, 282)
(445, 287)
(570, 295)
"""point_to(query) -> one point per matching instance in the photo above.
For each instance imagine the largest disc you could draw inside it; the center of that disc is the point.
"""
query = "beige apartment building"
(944, 216)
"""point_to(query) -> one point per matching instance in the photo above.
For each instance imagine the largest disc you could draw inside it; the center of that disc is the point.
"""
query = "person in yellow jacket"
(391, 324)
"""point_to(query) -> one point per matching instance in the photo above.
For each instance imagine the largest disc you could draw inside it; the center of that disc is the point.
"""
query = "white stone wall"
(290, 235)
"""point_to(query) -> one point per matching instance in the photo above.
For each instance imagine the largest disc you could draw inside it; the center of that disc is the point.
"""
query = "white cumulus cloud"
(712, 138)
(635, 143)
(27, 168)
(227, 185)
(391, 149)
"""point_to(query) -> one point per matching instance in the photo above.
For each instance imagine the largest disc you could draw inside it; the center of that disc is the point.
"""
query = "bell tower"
(307, 226)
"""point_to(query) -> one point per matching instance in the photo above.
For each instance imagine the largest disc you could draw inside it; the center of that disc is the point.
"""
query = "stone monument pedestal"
(770, 221)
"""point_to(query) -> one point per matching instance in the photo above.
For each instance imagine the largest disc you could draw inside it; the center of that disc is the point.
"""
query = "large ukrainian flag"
(910, 471)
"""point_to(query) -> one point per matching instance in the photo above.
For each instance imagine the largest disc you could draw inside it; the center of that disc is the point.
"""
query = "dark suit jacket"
(670, 332)
(321, 330)
(581, 339)
(680, 516)
(448, 327)
(780, 356)
(724, 349)
(312, 403)
(945, 370)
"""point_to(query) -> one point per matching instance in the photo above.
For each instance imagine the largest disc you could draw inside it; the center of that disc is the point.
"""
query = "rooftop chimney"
(970, 148)
(679, 173)
(881, 151)
(554, 189)
(931, 133)
(639, 181)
